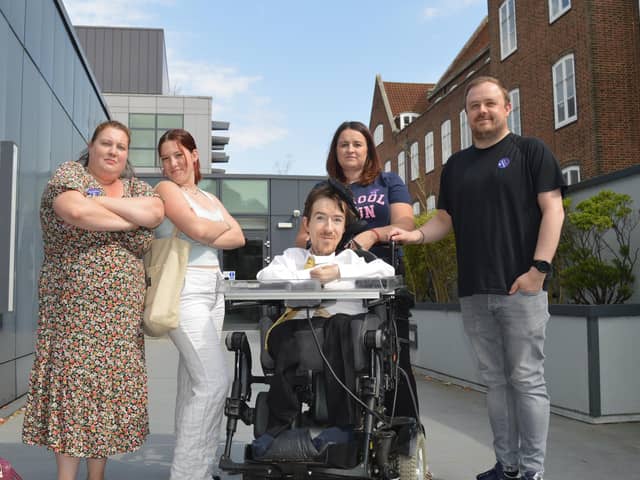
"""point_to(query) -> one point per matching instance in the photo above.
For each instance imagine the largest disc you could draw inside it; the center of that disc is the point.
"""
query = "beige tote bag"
(165, 265)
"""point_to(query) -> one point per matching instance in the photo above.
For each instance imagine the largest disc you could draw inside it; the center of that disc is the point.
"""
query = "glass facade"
(49, 105)
(245, 196)
(146, 129)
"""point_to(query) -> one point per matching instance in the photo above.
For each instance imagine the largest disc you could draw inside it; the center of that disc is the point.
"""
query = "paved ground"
(459, 440)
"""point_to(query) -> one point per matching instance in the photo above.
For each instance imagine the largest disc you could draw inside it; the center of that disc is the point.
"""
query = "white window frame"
(378, 134)
(465, 131)
(508, 33)
(564, 84)
(429, 157)
(566, 174)
(387, 166)
(514, 120)
(414, 161)
(557, 9)
(416, 208)
(431, 203)
(445, 138)
(402, 169)
(406, 118)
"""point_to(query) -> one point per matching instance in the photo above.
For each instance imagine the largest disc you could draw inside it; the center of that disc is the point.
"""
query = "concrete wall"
(591, 357)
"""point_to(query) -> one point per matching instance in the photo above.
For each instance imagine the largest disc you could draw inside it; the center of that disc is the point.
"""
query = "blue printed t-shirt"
(374, 201)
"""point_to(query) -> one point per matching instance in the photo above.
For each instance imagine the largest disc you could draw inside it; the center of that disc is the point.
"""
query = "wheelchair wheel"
(415, 467)
(261, 415)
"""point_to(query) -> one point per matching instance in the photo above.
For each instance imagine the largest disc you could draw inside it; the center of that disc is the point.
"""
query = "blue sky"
(286, 73)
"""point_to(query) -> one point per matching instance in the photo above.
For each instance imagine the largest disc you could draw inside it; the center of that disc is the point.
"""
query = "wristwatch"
(542, 266)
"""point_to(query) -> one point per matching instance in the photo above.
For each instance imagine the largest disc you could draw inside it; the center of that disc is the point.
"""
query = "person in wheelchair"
(328, 365)
(327, 219)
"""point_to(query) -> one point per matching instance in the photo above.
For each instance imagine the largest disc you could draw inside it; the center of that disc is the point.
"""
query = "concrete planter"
(592, 353)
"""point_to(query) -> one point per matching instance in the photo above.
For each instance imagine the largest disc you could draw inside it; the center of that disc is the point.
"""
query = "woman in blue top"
(381, 197)
(383, 201)
(203, 380)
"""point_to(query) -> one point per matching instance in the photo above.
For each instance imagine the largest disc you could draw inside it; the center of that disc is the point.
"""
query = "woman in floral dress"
(88, 385)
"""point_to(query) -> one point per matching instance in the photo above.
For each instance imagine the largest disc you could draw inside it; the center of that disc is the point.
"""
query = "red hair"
(185, 140)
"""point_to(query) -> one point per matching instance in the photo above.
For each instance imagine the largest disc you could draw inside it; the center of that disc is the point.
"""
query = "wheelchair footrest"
(332, 446)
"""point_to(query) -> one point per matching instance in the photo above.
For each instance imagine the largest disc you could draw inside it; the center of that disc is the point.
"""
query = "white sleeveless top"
(200, 254)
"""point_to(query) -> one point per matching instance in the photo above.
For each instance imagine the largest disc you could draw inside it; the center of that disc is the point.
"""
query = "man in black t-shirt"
(503, 198)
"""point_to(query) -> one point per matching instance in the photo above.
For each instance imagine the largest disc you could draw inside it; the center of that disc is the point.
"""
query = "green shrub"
(595, 259)
(431, 269)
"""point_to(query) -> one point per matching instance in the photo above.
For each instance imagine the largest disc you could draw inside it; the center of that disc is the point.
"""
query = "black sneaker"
(532, 476)
(498, 473)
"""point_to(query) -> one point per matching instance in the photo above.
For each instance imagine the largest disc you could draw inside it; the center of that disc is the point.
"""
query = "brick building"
(573, 71)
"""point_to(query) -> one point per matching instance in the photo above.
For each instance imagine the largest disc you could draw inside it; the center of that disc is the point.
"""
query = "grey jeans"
(507, 334)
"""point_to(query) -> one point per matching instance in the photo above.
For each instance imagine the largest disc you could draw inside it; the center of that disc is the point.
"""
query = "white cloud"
(260, 127)
(233, 94)
(252, 136)
(202, 78)
(121, 13)
(431, 12)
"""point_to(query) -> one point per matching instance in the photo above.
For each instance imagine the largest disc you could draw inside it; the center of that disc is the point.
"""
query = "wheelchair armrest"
(237, 342)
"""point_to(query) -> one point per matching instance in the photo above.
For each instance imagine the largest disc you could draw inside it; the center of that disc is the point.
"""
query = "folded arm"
(144, 211)
(225, 234)
(82, 212)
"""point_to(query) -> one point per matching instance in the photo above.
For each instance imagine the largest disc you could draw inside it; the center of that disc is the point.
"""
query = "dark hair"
(184, 139)
(327, 190)
(84, 156)
(486, 79)
(371, 167)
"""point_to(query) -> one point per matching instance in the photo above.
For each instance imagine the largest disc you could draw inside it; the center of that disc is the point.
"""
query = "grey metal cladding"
(125, 60)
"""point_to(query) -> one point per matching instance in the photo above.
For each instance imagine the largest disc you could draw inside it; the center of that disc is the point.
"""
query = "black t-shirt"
(491, 195)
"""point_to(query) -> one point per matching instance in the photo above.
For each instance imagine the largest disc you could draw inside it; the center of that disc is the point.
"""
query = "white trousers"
(203, 379)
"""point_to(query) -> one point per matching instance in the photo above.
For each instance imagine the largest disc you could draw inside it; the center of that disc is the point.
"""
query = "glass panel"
(142, 120)
(571, 107)
(165, 121)
(209, 185)
(561, 114)
(246, 261)
(245, 196)
(575, 176)
(142, 158)
(143, 139)
(252, 223)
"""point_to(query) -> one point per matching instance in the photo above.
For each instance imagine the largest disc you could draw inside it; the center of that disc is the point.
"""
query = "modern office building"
(49, 105)
(130, 65)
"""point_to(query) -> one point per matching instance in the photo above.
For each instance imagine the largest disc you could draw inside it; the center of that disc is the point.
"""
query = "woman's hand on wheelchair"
(325, 273)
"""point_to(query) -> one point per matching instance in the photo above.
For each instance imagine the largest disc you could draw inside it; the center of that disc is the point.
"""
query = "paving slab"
(458, 434)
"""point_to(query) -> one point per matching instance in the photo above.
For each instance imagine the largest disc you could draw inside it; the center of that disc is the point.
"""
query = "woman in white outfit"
(203, 380)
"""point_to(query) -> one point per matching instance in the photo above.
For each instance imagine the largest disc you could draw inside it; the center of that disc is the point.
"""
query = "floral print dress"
(88, 385)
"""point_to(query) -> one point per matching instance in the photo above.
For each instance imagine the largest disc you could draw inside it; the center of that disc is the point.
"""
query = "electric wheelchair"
(323, 416)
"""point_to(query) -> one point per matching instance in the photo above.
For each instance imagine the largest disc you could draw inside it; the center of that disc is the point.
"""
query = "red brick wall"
(603, 36)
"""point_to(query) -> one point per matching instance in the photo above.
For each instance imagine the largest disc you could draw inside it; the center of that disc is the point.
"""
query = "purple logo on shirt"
(93, 192)
(504, 162)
